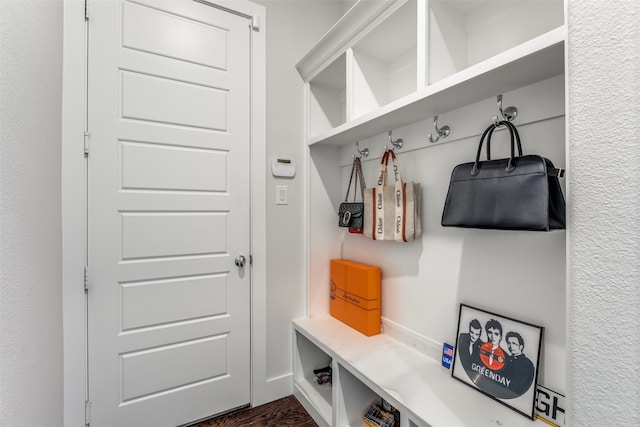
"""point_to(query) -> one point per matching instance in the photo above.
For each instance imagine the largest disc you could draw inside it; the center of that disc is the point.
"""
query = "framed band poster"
(499, 357)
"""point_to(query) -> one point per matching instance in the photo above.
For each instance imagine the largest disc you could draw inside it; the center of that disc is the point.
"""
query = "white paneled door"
(168, 185)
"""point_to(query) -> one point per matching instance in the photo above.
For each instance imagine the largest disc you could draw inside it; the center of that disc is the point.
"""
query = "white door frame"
(74, 206)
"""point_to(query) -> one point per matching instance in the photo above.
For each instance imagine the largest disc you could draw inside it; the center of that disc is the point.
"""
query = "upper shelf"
(531, 62)
(389, 63)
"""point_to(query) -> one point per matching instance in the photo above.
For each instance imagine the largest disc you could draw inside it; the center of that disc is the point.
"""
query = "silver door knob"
(240, 261)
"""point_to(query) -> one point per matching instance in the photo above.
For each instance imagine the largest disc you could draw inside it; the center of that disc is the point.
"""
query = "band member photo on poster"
(498, 356)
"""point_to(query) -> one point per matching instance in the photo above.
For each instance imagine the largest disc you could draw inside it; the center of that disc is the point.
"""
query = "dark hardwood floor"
(283, 412)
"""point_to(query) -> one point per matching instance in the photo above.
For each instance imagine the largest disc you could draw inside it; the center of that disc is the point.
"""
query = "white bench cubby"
(366, 369)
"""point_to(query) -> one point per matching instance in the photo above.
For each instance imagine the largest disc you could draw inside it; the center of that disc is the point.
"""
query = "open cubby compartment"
(307, 358)
(327, 97)
(354, 398)
(384, 61)
(463, 33)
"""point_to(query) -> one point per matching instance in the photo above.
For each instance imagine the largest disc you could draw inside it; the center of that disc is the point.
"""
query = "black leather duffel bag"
(515, 193)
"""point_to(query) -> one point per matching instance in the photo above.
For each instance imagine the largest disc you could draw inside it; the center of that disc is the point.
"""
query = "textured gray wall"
(604, 189)
(30, 213)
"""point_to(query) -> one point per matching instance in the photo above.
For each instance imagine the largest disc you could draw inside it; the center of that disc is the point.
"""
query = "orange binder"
(355, 295)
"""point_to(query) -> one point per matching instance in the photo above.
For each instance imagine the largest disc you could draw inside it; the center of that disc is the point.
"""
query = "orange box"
(355, 295)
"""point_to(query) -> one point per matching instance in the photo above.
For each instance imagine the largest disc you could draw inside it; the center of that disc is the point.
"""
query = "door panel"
(178, 299)
(144, 167)
(168, 311)
(147, 235)
(154, 37)
(169, 101)
(190, 362)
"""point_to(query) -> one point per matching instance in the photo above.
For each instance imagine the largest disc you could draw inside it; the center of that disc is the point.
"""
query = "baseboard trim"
(424, 345)
(273, 389)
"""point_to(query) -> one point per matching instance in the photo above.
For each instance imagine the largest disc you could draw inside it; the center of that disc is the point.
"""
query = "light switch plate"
(281, 195)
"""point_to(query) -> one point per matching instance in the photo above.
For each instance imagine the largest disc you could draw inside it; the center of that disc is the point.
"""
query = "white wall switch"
(281, 195)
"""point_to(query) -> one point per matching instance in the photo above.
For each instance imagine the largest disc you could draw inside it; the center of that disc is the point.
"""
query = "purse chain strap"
(356, 170)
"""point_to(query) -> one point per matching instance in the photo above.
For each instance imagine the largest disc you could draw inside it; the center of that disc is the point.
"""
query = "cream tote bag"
(392, 211)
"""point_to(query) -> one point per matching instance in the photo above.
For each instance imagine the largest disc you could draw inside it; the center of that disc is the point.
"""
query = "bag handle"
(511, 164)
(356, 169)
(359, 179)
(396, 168)
(512, 129)
(353, 168)
(382, 173)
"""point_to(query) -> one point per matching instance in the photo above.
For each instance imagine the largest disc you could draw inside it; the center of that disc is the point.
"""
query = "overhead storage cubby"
(463, 33)
(327, 98)
(384, 62)
(404, 60)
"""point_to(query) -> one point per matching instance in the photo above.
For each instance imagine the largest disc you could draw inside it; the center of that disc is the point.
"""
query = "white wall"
(604, 243)
(294, 26)
(30, 213)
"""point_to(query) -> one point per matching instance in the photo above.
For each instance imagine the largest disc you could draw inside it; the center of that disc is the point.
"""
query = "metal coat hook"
(397, 144)
(364, 152)
(508, 113)
(442, 132)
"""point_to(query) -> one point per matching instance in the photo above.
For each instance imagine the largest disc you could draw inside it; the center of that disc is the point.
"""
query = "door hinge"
(87, 138)
(86, 279)
(86, 10)
(87, 412)
(250, 259)
(255, 23)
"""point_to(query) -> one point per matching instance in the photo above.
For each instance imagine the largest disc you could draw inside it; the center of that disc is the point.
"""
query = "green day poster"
(499, 357)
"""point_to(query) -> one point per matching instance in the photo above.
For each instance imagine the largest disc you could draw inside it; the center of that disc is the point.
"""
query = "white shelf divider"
(318, 396)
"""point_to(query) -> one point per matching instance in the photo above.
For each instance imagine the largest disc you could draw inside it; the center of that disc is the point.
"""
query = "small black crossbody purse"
(351, 214)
